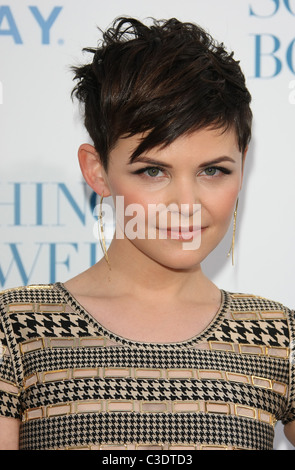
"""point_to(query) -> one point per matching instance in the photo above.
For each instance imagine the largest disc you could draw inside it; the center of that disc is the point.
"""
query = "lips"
(183, 229)
(182, 233)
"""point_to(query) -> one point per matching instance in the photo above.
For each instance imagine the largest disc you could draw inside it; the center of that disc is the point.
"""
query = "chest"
(154, 322)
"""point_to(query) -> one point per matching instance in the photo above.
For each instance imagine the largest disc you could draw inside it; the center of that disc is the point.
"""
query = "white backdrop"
(46, 211)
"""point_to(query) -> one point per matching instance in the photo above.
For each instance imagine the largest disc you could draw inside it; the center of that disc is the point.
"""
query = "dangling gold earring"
(232, 248)
(101, 233)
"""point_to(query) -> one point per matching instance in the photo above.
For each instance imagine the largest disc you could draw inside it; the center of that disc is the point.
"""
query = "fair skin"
(9, 433)
(178, 298)
(156, 291)
(289, 431)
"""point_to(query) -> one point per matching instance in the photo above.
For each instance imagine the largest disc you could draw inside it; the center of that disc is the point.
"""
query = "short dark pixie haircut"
(165, 80)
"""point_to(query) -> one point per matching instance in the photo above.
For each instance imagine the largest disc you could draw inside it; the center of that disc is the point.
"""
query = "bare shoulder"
(9, 433)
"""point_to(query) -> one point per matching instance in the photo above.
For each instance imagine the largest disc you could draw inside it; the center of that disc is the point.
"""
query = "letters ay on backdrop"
(9, 24)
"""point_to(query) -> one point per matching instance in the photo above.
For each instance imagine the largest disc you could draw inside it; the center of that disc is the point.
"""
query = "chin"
(183, 264)
(177, 255)
(180, 260)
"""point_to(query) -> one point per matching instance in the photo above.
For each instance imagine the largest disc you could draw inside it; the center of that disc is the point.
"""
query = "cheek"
(221, 206)
(132, 196)
(131, 210)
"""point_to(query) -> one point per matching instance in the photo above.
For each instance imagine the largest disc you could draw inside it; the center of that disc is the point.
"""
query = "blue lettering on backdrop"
(23, 206)
(260, 53)
(60, 191)
(290, 55)
(51, 252)
(271, 56)
(263, 56)
(5, 13)
(275, 4)
(44, 24)
(54, 261)
(16, 259)
(15, 204)
(82, 216)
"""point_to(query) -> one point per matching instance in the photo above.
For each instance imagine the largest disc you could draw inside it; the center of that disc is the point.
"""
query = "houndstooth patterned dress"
(76, 385)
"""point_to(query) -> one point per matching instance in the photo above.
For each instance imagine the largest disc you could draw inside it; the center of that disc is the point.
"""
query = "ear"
(93, 170)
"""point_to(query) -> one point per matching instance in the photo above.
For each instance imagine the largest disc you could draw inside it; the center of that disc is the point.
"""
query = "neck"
(131, 267)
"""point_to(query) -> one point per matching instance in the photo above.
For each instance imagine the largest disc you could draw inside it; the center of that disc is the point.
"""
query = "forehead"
(201, 144)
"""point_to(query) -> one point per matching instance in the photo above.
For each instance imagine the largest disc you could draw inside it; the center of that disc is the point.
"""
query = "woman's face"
(194, 183)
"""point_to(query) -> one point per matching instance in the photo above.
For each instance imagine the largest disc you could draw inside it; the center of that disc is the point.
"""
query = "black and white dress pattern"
(76, 385)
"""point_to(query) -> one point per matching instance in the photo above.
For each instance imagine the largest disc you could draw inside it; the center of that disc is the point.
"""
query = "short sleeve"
(10, 388)
(290, 411)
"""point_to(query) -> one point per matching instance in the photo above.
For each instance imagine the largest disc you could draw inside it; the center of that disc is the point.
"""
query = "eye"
(215, 171)
(150, 172)
(211, 171)
(153, 171)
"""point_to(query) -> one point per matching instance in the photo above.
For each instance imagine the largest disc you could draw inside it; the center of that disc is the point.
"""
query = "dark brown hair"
(169, 78)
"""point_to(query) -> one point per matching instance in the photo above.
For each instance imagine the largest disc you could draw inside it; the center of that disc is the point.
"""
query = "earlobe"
(92, 169)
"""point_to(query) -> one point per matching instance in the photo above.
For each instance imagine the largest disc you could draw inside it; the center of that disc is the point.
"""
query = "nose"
(185, 199)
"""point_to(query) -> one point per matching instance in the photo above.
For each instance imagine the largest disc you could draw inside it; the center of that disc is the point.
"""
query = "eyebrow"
(224, 158)
(150, 161)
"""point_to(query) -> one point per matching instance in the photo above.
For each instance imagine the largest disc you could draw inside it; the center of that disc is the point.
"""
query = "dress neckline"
(198, 338)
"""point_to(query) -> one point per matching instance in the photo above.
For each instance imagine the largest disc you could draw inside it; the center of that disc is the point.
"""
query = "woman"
(143, 351)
